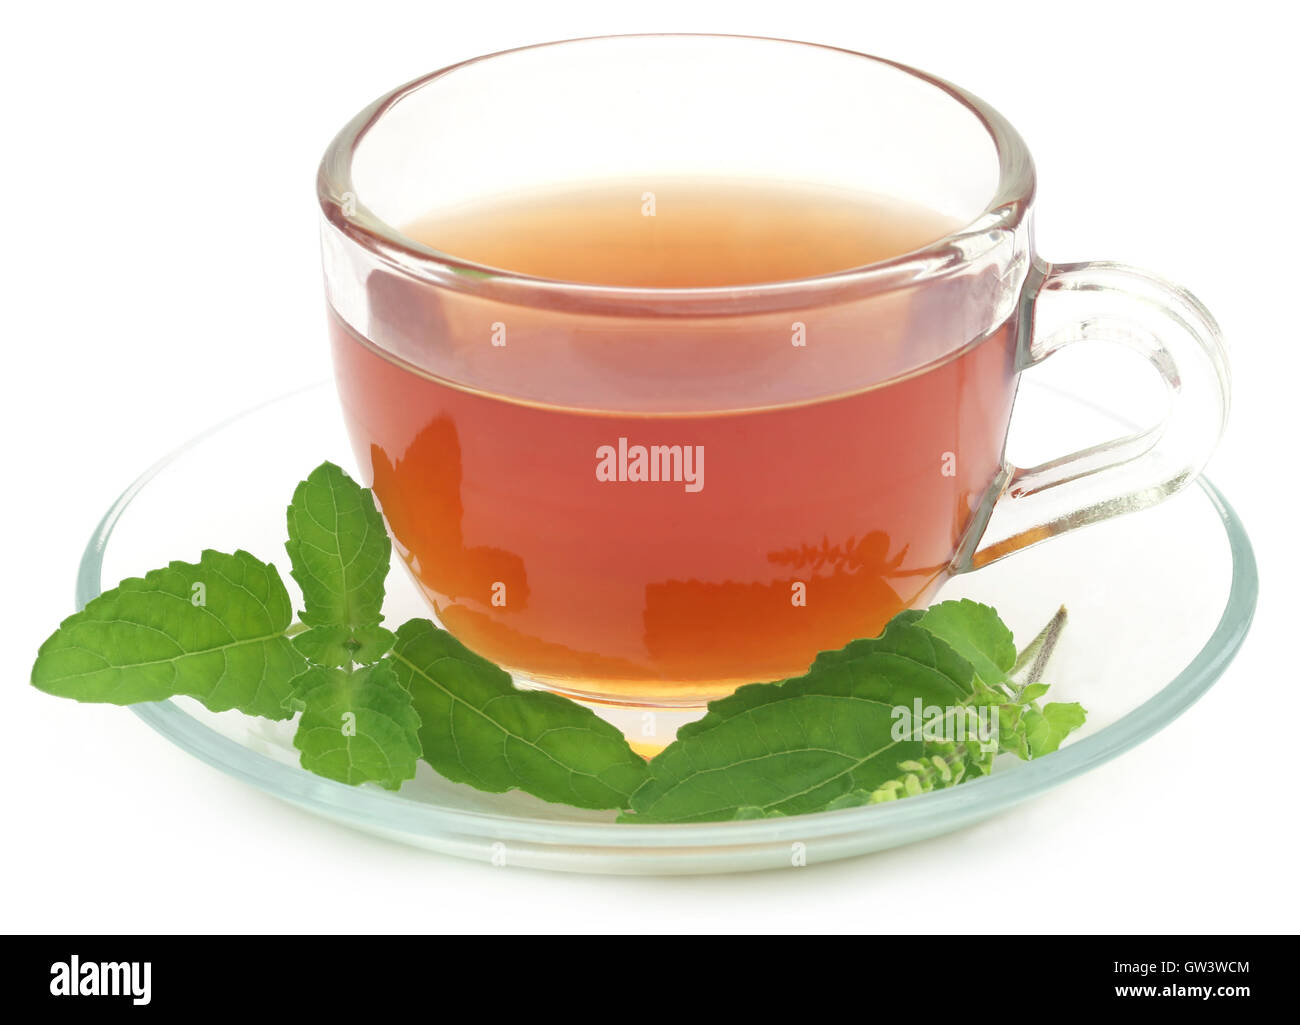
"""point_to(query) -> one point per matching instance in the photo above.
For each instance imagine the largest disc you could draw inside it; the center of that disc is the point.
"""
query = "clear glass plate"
(1159, 603)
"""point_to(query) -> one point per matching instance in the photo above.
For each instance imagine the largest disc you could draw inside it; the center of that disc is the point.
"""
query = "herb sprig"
(371, 703)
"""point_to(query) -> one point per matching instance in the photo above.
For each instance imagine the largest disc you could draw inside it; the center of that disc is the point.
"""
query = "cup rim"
(1004, 212)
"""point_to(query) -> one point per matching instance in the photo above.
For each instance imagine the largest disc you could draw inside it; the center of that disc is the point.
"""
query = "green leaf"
(853, 799)
(976, 633)
(357, 727)
(1045, 729)
(339, 550)
(750, 812)
(212, 630)
(1024, 729)
(339, 647)
(1012, 738)
(478, 728)
(798, 745)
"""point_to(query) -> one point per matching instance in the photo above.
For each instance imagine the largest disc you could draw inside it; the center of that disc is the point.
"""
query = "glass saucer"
(1159, 603)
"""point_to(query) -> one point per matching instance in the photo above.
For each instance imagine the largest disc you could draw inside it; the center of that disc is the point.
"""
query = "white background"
(159, 271)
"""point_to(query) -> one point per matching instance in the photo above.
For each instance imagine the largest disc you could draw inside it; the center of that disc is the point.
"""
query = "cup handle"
(1078, 302)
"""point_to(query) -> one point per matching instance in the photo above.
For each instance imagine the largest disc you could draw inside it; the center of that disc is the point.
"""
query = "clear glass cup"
(848, 429)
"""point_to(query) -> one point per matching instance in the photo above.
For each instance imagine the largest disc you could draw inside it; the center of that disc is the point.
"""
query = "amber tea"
(662, 508)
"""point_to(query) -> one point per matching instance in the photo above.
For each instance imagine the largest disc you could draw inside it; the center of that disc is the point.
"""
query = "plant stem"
(1037, 653)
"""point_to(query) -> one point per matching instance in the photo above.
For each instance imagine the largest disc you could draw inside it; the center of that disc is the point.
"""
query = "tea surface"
(683, 234)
